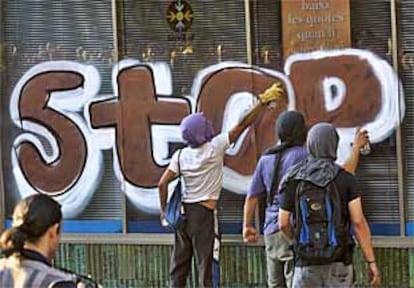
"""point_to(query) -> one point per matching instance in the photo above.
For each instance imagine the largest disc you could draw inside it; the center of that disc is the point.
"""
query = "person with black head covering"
(30, 245)
(272, 166)
(291, 131)
(318, 189)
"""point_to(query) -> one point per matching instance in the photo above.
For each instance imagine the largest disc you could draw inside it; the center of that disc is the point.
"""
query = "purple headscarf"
(196, 130)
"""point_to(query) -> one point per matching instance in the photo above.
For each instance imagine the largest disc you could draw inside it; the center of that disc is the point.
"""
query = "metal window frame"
(167, 239)
(398, 134)
(2, 90)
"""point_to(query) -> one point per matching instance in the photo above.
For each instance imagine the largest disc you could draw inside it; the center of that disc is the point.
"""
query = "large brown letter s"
(53, 154)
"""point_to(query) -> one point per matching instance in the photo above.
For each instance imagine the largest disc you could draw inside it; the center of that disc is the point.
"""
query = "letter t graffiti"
(136, 109)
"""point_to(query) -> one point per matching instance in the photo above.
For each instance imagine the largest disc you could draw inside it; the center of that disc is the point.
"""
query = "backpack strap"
(340, 209)
(298, 186)
(178, 161)
(334, 212)
(275, 177)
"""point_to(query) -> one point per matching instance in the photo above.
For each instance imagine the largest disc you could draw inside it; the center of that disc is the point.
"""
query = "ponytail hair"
(12, 240)
(32, 217)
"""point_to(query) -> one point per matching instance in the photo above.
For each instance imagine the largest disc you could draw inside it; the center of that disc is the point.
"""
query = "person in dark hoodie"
(272, 166)
(319, 171)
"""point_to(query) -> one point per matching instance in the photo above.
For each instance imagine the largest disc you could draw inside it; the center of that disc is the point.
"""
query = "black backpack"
(321, 228)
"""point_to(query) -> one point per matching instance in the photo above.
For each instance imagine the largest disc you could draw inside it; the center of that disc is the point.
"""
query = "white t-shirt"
(202, 169)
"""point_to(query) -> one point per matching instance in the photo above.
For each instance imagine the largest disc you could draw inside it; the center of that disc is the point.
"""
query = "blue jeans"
(279, 261)
(335, 275)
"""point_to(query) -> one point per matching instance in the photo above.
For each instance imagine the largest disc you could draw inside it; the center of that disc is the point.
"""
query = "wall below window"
(241, 265)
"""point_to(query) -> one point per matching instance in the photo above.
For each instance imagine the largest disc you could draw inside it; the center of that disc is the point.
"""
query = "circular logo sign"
(179, 15)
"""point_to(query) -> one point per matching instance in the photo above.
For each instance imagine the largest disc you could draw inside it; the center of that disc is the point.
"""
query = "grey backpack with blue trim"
(321, 226)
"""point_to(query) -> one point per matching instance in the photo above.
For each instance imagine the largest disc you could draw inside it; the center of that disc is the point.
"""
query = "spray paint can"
(366, 149)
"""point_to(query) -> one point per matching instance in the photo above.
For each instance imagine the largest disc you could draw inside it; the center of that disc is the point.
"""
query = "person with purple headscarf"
(201, 168)
(196, 130)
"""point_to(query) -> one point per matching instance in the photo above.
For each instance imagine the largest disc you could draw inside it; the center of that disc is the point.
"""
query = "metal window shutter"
(39, 31)
(69, 24)
(377, 173)
(371, 29)
(267, 34)
(144, 27)
(406, 42)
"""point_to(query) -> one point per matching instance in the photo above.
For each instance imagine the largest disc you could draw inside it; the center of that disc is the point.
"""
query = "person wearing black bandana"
(271, 167)
(320, 170)
(30, 245)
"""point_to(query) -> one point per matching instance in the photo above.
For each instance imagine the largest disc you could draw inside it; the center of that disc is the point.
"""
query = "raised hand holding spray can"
(272, 94)
(366, 149)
